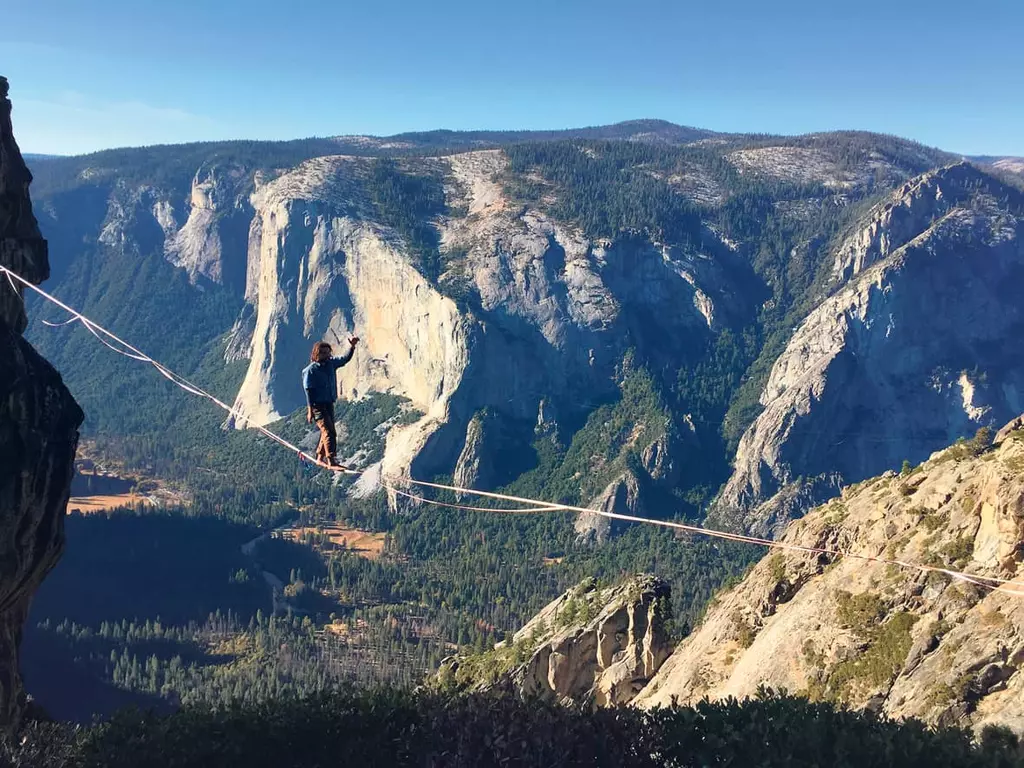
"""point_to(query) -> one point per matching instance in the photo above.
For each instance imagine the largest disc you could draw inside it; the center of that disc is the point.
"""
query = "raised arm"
(343, 360)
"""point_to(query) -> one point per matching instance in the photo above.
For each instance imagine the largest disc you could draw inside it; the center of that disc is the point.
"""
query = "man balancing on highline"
(321, 385)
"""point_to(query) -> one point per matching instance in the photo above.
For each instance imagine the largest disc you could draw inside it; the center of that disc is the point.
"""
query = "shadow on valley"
(159, 565)
(162, 608)
(144, 583)
(70, 690)
(97, 484)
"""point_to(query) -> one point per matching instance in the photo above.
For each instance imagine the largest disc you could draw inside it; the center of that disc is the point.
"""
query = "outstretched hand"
(353, 340)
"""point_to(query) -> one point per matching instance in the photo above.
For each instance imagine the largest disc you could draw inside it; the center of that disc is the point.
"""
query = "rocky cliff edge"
(39, 423)
(917, 348)
(899, 641)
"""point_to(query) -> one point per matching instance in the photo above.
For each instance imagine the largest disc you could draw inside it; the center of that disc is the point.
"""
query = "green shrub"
(887, 650)
(397, 728)
(745, 634)
(977, 445)
(959, 551)
(981, 441)
(567, 615)
(859, 612)
(888, 644)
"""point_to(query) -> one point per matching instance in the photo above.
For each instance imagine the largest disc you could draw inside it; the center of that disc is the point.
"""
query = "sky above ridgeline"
(109, 73)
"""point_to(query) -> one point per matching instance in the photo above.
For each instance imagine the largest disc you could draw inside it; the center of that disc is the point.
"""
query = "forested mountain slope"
(917, 345)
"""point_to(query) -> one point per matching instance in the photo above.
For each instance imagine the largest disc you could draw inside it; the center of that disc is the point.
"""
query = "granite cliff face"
(208, 244)
(552, 312)
(39, 423)
(323, 270)
(895, 640)
(914, 350)
(22, 247)
(493, 349)
(589, 644)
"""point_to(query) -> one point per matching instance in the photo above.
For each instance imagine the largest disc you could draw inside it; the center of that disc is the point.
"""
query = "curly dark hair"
(320, 345)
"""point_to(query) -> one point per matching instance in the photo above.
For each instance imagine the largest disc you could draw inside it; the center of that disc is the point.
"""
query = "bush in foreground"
(396, 728)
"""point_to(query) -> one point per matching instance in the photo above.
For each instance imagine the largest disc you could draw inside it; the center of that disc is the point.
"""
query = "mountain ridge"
(453, 140)
(883, 264)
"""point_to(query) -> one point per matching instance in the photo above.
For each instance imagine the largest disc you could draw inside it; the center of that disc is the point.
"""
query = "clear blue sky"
(89, 75)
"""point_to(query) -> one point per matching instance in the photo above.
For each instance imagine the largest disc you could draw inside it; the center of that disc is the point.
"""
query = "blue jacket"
(319, 379)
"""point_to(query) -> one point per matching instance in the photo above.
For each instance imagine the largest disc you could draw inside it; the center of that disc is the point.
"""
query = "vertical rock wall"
(39, 422)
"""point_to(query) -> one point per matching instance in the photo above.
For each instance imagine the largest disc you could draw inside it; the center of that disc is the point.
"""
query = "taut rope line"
(535, 505)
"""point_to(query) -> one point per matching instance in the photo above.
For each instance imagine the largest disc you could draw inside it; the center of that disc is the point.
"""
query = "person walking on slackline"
(321, 385)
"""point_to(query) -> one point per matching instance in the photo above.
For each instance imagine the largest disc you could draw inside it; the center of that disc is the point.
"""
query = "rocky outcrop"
(906, 215)
(1011, 164)
(326, 271)
(481, 463)
(589, 644)
(212, 242)
(622, 496)
(802, 165)
(39, 423)
(201, 227)
(912, 353)
(1006, 431)
(897, 640)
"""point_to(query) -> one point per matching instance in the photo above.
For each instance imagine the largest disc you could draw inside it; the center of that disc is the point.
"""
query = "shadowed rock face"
(39, 423)
(22, 248)
(607, 660)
